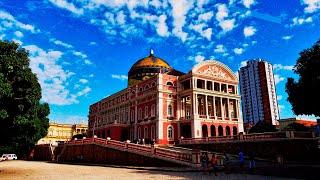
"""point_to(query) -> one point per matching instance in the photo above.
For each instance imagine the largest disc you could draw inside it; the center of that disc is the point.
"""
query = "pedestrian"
(227, 163)
(241, 160)
(214, 164)
(252, 163)
(204, 162)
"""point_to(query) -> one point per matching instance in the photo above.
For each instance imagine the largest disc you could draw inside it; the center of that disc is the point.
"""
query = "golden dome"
(146, 68)
(151, 61)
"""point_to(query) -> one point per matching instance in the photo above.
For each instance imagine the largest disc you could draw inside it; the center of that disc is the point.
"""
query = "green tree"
(23, 119)
(262, 127)
(296, 127)
(304, 94)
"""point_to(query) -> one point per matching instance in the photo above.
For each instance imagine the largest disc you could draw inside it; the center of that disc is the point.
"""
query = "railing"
(263, 136)
(174, 154)
(184, 156)
(249, 137)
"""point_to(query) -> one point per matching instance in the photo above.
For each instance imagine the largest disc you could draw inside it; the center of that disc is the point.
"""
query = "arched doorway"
(228, 131)
(220, 131)
(185, 130)
(204, 131)
(104, 134)
(213, 131)
(235, 131)
(124, 135)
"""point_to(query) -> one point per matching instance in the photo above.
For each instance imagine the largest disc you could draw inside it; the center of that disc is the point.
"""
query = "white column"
(215, 108)
(222, 108)
(206, 104)
(228, 108)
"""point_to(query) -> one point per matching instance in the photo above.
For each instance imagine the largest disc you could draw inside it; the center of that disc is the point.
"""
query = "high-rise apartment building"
(258, 93)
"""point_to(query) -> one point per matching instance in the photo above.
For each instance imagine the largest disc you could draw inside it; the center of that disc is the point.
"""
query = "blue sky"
(81, 50)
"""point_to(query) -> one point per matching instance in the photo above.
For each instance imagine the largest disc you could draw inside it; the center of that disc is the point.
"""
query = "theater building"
(163, 104)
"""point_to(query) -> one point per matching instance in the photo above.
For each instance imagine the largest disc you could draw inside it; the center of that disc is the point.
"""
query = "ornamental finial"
(151, 51)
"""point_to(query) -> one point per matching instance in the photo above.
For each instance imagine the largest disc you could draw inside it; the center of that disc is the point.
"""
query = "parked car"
(3, 158)
(9, 156)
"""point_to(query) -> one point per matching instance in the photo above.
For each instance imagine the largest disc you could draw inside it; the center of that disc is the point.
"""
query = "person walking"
(252, 163)
(241, 160)
(204, 162)
(214, 164)
(227, 163)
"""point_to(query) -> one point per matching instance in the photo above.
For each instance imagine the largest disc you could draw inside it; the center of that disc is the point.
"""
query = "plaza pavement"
(43, 170)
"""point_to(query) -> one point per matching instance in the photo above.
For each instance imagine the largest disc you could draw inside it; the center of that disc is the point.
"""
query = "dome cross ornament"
(151, 52)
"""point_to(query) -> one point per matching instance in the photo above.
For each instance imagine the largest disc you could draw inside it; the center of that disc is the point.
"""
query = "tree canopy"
(304, 94)
(23, 118)
(262, 127)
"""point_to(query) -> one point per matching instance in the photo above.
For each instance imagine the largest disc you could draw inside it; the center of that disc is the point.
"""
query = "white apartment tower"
(258, 93)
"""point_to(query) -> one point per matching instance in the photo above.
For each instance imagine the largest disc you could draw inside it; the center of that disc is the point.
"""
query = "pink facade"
(167, 106)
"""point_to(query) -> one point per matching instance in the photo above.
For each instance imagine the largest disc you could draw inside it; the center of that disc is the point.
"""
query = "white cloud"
(249, 31)
(299, 21)
(222, 12)
(84, 92)
(91, 75)
(227, 25)
(88, 62)
(279, 97)
(207, 33)
(69, 119)
(119, 76)
(92, 43)
(199, 58)
(80, 54)
(248, 3)
(238, 50)
(220, 49)
(83, 81)
(278, 78)
(52, 77)
(9, 21)
(277, 67)
(68, 6)
(162, 28)
(205, 16)
(243, 64)
(180, 9)
(312, 5)
(121, 18)
(19, 34)
(17, 41)
(63, 44)
(286, 37)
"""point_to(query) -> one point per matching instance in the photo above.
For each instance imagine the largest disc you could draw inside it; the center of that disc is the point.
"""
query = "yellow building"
(62, 132)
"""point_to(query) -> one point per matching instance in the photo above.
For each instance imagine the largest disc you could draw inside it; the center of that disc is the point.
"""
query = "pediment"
(214, 69)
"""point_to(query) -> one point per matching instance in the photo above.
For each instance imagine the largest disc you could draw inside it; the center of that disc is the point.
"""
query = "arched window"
(170, 110)
(228, 133)
(145, 134)
(140, 114)
(146, 111)
(213, 130)
(204, 131)
(139, 133)
(170, 132)
(153, 110)
(235, 131)
(153, 132)
(220, 131)
(169, 83)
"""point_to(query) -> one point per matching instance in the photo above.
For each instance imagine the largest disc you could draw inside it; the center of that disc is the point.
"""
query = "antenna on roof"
(151, 51)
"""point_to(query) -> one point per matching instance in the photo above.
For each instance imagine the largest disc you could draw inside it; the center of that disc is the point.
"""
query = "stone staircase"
(177, 155)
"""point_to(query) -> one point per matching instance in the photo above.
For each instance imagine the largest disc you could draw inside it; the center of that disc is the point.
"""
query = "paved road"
(42, 170)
